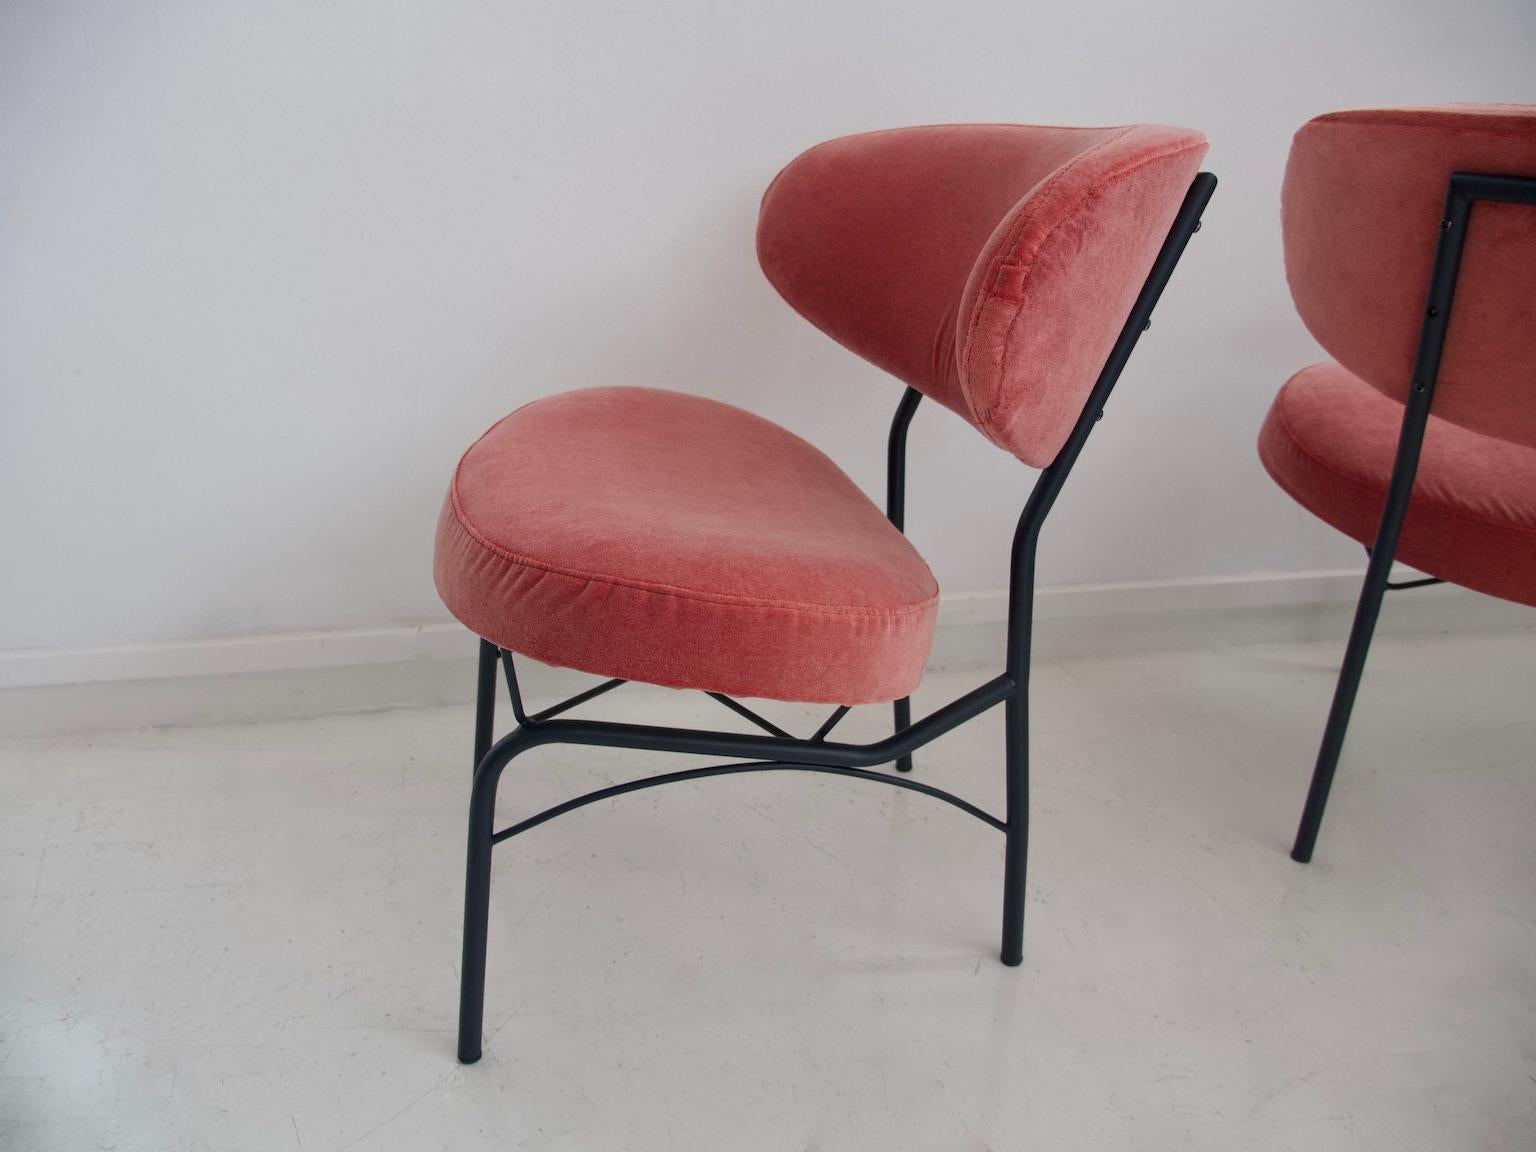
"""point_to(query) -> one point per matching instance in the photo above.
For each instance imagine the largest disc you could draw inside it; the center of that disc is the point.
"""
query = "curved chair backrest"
(1361, 207)
(989, 266)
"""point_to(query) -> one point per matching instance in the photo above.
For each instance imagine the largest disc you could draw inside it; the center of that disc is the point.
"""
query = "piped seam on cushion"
(984, 418)
(1460, 129)
(1371, 490)
(1005, 252)
(671, 590)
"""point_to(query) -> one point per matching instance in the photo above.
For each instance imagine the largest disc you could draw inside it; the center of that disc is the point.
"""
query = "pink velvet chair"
(1381, 240)
(1004, 271)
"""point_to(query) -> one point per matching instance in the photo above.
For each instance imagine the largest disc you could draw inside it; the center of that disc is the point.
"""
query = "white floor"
(247, 937)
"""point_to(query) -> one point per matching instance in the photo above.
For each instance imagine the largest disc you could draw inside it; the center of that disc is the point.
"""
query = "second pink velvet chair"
(1004, 271)
(1410, 247)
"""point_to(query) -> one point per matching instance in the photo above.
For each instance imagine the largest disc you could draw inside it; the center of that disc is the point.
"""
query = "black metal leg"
(903, 711)
(477, 897)
(1021, 582)
(896, 512)
(1462, 192)
(485, 701)
(1021, 627)
(816, 755)
(1016, 853)
(1360, 634)
(477, 885)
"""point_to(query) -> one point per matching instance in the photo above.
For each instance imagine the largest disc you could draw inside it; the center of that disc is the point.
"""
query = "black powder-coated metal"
(514, 692)
(485, 701)
(830, 723)
(580, 698)
(1404, 585)
(736, 769)
(747, 714)
(896, 513)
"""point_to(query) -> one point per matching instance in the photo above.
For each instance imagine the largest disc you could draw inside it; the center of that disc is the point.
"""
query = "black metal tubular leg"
(1016, 851)
(896, 513)
(1016, 769)
(485, 701)
(1442, 284)
(477, 893)
(1021, 583)
(849, 759)
(902, 712)
(477, 911)
(1360, 633)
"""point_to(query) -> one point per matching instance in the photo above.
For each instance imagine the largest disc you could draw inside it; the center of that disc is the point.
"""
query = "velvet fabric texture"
(674, 540)
(670, 539)
(1330, 440)
(1363, 196)
(990, 266)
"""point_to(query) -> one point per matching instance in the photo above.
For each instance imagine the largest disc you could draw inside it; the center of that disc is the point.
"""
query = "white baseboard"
(232, 655)
(1087, 621)
(289, 676)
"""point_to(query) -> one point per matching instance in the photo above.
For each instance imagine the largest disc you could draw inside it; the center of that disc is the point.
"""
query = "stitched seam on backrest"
(1034, 195)
(984, 419)
(1001, 261)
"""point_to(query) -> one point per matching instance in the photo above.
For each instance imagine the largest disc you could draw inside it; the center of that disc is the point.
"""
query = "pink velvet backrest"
(989, 266)
(1363, 196)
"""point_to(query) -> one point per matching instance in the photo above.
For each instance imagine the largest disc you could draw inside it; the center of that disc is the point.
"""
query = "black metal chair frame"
(1463, 190)
(777, 750)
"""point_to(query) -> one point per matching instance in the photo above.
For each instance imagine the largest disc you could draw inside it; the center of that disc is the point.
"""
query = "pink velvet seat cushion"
(1329, 441)
(666, 538)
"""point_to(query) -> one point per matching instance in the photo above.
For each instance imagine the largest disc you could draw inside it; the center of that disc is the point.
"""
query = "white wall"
(266, 268)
